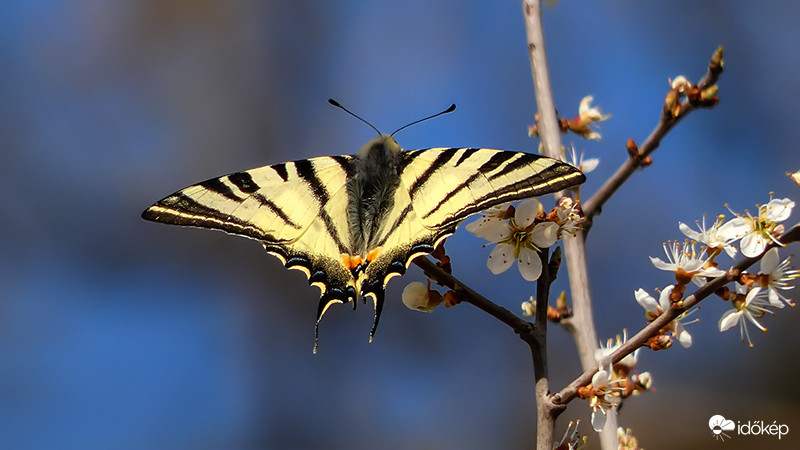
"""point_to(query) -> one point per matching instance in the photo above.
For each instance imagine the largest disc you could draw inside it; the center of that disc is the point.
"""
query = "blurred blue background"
(118, 333)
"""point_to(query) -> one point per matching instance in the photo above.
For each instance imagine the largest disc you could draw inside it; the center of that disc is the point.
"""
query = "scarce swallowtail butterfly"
(352, 222)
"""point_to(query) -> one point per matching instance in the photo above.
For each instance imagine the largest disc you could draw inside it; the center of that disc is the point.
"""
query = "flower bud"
(419, 297)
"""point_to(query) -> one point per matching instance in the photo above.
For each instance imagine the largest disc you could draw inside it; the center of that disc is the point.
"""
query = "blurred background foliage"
(117, 333)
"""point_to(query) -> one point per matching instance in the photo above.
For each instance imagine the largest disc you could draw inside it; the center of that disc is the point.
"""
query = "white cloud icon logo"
(719, 425)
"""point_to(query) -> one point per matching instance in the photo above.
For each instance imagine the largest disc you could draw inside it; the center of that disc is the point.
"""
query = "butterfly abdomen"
(371, 190)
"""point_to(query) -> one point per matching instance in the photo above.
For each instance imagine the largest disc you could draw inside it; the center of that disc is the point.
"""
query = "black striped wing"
(440, 187)
(446, 185)
(297, 210)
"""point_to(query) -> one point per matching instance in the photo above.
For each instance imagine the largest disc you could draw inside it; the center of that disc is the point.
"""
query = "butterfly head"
(381, 145)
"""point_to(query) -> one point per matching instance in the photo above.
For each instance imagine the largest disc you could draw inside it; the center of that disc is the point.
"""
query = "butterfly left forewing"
(295, 209)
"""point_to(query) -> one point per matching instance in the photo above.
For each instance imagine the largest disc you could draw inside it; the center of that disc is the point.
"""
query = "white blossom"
(569, 216)
(605, 396)
(712, 237)
(756, 232)
(776, 275)
(529, 307)
(584, 165)
(687, 263)
(654, 308)
(588, 116)
(753, 307)
(520, 239)
(571, 439)
(604, 351)
(591, 113)
(794, 176)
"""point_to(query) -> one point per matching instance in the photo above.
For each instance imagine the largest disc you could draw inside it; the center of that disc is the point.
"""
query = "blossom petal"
(494, 230)
(501, 258)
(544, 234)
(751, 296)
(735, 228)
(779, 209)
(493, 214)
(475, 224)
(682, 335)
(770, 261)
(690, 233)
(664, 300)
(729, 319)
(584, 107)
(661, 265)
(598, 419)
(588, 165)
(646, 301)
(600, 378)
(530, 265)
(753, 244)
(712, 272)
(526, 212)
(775, 298)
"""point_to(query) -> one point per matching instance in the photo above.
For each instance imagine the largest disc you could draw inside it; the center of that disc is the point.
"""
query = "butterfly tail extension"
(325, 302)
(378, 295)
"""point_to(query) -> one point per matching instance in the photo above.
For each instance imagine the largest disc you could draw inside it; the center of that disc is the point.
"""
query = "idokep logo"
(721, 427)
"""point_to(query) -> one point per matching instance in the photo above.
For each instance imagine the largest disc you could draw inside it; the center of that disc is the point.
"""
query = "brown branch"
(546, 410)
(550, 135)
(468, 295)
(534, 336)
(653, 328)
(593, 205)
(581, 324)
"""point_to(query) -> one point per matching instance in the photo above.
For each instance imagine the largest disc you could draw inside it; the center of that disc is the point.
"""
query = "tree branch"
(468, 295)
(593, 205)
(653, 328)
(546, 410)
(583, 331)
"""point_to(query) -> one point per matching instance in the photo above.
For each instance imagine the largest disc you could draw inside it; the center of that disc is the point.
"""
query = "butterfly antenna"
(446, 111)
(339, 105)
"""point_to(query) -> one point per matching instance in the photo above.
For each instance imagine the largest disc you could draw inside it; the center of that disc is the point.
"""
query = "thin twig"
(653, 328)
(468, 295)
(593, 205)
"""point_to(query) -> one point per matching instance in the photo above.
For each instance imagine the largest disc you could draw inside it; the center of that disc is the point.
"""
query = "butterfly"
(352, 222)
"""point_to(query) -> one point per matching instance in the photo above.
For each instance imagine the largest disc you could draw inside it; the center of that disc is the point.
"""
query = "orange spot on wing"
(373, 254)
(351, 262)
